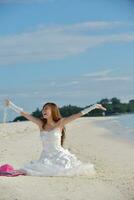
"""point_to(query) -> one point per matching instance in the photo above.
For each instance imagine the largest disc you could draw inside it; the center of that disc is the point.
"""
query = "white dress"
(55, 160)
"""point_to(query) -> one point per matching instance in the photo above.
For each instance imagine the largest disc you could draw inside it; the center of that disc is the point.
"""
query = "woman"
(54, 159)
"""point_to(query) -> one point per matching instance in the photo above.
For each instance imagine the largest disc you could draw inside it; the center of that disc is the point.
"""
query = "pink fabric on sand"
(8, 170)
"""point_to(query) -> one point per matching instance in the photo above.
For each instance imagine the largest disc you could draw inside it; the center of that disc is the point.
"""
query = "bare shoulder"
(40, 126)
(60, 122)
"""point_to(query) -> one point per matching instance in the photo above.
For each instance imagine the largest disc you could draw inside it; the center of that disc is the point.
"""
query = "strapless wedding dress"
(55, 160)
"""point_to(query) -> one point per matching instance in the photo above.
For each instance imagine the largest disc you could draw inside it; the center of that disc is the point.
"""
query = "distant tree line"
(114, 107)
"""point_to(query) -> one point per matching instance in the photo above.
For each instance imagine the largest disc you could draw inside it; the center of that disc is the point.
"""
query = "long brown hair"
(56, 116)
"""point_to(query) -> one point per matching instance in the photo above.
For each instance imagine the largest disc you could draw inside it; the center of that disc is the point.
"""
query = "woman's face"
(46, 112)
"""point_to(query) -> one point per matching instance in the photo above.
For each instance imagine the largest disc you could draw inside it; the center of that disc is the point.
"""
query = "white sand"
(113, 159)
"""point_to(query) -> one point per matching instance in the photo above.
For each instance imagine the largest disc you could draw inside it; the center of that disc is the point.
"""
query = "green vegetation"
(114, 107)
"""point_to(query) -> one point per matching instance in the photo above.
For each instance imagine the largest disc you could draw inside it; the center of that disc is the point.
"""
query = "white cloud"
(98, 73)
(105, 75)
(54, 42)
(94, 25)
(114, 78)
(69, 83)
(84, 26)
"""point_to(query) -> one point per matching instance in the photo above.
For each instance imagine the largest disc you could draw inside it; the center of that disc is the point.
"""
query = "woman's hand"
(99, 106)
(6, 102)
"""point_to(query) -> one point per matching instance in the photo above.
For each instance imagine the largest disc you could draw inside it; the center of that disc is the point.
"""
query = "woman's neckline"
(50, 130)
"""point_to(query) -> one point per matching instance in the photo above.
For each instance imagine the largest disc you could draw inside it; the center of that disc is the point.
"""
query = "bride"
(54, 159)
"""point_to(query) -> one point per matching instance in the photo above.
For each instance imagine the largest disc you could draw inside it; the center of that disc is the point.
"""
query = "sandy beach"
(113, 158)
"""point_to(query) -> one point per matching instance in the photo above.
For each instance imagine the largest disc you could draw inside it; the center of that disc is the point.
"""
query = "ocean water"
(121, 125)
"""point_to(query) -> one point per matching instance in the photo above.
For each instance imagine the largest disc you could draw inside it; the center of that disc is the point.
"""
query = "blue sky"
(65, 51)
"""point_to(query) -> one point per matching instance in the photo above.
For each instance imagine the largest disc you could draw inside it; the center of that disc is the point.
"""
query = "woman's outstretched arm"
(25, 114)
(66, 120)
